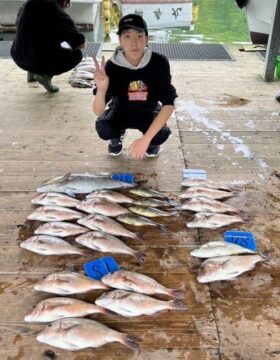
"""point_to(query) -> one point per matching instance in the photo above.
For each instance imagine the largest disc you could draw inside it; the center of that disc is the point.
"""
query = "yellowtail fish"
(60, 229)
(212, 220)
(132, 281)
(53, 198)
(194, 192)
(101, 241)
(143, 192)
(133, 219)
(102, 206)
(77, 333)
(54, 213)
(201, 204)
(130, 304)
(108, 225)
(62, 307)
(50, 245)
(155, 202)
(208, 184)
(111, 196)
(219, 248)
(72, 184)
(151, 212)
(67, 283)
(226, 267)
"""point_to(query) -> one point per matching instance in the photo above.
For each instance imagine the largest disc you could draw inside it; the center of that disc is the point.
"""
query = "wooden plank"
(249, 329)
(231, 120)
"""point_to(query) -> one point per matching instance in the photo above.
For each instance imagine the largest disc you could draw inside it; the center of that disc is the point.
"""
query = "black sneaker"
(152, 151)
(115, 146)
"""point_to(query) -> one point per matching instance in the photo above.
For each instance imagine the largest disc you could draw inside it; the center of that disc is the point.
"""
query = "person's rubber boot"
(46, 81)
(31, 77)
(277, 97)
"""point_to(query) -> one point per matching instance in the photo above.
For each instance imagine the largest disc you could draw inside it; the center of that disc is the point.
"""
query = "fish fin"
(177, 304)
(177, 293)
(140, 256)
(266, 255)
(131, 341)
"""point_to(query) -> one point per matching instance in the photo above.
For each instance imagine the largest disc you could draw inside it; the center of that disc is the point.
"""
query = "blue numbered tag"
(241, 238)
(97, 268)
(125, 177)
(194, 174)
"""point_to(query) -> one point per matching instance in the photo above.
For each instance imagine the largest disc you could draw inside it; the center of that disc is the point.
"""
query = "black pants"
(114, 122)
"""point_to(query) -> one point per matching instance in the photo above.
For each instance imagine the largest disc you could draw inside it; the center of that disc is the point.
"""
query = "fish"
(52, 198)
(155, 202)
(78, 333)
(150, 211)
(101, 241)
(50, 245)
(54, 213)
(108, 225)
(68, 283)
(72, 184)
(130, 304)
(194, 192)
(135, 220)
(219, 248)
(132, 281)
(226, 267)
(111, 195)
(102, 206)
(212, 220)
(193, 182)
(60, 229)
(143, 192)
(201, 204)
(61, 307)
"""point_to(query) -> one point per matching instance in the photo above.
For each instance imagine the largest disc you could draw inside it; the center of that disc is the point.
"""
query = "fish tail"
(131, 341)
(138, 236)
(177, 305)
(163, 227)
(173, 202)
(177, 293)
(139, 256)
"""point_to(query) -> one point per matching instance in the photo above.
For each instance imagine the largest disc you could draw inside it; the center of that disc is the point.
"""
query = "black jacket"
(141, 89)
(42, 26)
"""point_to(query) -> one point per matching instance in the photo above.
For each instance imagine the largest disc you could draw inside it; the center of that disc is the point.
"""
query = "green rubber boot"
(46, 81)
(30, 77)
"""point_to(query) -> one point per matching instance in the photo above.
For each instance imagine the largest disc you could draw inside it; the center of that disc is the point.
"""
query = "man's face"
(133, 43)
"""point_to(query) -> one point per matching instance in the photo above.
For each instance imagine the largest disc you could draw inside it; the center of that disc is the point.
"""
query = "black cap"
(132, 21)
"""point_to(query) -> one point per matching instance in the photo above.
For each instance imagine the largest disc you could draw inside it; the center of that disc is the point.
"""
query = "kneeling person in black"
(136, 84)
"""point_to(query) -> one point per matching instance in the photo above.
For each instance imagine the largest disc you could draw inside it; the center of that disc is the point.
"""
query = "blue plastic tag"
(241, 238)
(125, 177)
(97, 268)
(194, 174)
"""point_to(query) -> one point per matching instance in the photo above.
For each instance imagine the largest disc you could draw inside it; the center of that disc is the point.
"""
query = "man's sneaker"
(152, 151)
(115, 146)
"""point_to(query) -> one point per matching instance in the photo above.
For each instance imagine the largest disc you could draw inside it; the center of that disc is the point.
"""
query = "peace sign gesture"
(100, 77)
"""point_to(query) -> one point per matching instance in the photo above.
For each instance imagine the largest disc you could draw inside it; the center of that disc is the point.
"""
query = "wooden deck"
(43, 135)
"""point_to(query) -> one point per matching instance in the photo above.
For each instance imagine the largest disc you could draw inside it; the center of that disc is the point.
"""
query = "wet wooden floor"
(226, 122)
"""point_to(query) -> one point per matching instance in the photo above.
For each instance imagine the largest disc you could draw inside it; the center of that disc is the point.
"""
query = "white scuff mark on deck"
(199, 115)
(250, 125)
